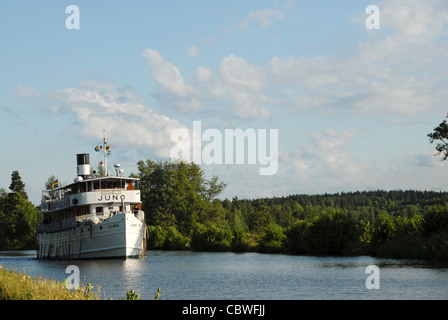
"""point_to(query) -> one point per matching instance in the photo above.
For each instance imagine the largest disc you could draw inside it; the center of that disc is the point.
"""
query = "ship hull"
(120, 236)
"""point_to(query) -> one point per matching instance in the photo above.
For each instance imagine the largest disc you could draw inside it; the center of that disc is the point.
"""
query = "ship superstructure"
(96, 216)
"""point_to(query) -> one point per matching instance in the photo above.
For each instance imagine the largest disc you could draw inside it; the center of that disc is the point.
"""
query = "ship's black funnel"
(83, 165)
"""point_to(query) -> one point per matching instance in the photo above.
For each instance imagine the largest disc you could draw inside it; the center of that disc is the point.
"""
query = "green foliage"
(239, 241)
(19, 286)
(330, 233)
(273, 238)
(17, 217)
(260, 218)
(377, 222)
(384, 229)
(297, 237)
(435, 220)
(166, 238)
(132, 295)
(156, 237)
(17, 185)
(440, 134)
(211, 238)
(176, 194)
(157, 294)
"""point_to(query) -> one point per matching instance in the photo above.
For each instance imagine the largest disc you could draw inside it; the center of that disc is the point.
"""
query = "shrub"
(156, 237)
(435, 220)
(174, 240)
(330, 233)
(384, 230)
(297, 237)
(273, 238)
(210, 238)
(239, 241)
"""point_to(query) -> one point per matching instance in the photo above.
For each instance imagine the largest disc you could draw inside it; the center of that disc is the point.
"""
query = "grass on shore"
(19, 286)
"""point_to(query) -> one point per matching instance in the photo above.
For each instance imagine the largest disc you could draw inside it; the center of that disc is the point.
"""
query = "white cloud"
(165, 73)
(415, 21)
(265, 17)
(399, 70)
(203, 74)
(98, 106)
(193, 51)
(235, 85)
(236, 71)
(325, 150)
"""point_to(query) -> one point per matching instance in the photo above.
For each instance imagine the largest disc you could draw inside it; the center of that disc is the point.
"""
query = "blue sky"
(352, 106)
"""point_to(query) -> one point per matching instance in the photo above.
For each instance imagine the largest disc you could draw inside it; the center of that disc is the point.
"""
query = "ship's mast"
(106, 173)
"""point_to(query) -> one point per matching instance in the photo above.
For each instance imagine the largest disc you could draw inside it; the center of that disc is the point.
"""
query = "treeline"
(183, 213)
(17, 217)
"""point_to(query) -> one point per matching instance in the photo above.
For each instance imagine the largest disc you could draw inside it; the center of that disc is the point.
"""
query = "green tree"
(260, 218)
(211, 238)
(297, 239)
(273, 238)
(239, 241)
(440, 134)
(17, 184)
(5, 219)
(384, 229)
(17, 216)
(435, 220)
(176, 194)
(330, 233)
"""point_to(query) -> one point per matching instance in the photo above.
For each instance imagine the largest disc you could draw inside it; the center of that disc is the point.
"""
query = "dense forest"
(183, 212)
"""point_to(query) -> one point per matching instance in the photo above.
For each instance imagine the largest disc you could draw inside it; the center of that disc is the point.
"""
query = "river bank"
(16, 285)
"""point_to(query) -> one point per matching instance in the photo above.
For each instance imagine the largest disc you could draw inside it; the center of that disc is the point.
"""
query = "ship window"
(99, 209)
(82, 187)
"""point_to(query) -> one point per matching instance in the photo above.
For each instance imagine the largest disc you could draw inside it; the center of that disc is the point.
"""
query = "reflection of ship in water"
(94, 217)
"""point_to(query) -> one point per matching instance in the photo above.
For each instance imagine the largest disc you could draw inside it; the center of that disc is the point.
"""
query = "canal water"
(187, 275)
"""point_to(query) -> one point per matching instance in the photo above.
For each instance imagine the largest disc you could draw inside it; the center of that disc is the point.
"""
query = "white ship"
(94, 217)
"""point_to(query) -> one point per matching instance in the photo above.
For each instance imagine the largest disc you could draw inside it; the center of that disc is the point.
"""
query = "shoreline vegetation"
(15, 285)
(332, 232)
(182, 212)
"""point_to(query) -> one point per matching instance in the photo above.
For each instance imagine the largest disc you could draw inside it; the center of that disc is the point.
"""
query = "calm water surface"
(197, 275)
